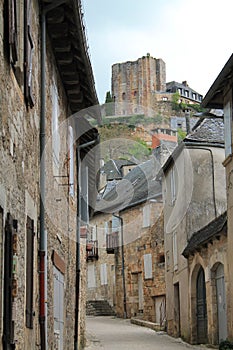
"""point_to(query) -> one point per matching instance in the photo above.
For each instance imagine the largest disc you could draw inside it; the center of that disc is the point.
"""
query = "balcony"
(92, 250)
(112, 242)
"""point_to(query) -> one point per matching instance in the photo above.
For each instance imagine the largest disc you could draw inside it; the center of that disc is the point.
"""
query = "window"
(148, 266)
(58, 280)
(29, 272)
(123, 96)
(180, 91)
(186, 93)
(1, 262)
(175, 259)
(103, 274)
(71, 161)
(228, 128)
(91, 280)
(146, 216)
(55, 129)
(28, 56)
(194, 96)
(173, 186)
(13, 35)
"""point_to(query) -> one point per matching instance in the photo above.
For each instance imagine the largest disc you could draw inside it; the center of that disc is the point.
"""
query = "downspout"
(122, 265)
(42, 245)
(78, 261)
(43, 237)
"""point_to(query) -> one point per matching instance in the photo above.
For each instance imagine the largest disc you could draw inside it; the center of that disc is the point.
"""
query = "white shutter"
(147, 266)
(91, 280)
(103, 274)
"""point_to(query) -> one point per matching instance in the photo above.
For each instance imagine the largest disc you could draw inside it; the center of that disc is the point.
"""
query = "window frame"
(29, 272)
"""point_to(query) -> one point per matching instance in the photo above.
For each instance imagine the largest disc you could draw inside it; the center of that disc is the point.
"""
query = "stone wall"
(19, 192)
(141, 242)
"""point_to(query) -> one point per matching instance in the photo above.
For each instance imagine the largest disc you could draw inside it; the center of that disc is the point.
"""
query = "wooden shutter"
(13, 40)
(29, 273)
(8, 325)
(28, 55)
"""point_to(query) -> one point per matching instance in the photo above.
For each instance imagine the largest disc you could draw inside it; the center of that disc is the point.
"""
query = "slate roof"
(113, 168)
(206, 234)
(207, 130)
(136, 187)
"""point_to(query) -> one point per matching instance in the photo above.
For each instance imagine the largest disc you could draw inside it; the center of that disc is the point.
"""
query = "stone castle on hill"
(140, 87)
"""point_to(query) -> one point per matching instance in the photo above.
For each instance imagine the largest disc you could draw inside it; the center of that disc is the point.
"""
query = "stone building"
(133, 82)
(220, 96)
(194, 196)
(140, 87)
(129, 226)
(46, 78)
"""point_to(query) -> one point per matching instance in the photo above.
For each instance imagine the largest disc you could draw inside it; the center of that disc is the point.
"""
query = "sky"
(193, 37)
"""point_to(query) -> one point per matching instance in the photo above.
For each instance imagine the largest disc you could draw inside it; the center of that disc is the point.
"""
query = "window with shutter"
(29, 273)
(13, 37)
(58, 279)
(28, 52)
(1, 265)
(8, 323)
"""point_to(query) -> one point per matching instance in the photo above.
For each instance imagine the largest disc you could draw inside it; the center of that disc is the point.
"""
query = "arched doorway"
(221, 303)
(201, 308)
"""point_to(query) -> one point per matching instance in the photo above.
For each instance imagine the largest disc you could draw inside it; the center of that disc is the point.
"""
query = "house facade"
(129, 229)
(194, 195)
(44, 81)
(219, 96)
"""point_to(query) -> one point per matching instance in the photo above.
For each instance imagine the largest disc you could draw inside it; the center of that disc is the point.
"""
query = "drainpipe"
(122, 265)
(78, 261)
(43, 238)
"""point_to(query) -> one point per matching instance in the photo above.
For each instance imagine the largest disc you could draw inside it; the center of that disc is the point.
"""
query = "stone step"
(99, 308)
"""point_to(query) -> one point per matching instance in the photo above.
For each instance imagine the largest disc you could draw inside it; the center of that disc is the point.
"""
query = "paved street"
(109, 333)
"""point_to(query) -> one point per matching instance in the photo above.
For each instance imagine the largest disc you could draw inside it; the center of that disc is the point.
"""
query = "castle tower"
(134, 82)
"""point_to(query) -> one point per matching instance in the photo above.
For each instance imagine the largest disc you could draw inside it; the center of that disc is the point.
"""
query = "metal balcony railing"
(112, 242)
(92, 250)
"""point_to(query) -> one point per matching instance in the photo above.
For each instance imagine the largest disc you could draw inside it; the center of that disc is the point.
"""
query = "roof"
(214, 97)
(113, 168)
(206, 234)
(173, 86)
(208, 131)
(66, 31)
(136, 187)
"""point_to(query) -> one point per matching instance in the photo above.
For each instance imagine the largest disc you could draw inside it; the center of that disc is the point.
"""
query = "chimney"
(185, 83)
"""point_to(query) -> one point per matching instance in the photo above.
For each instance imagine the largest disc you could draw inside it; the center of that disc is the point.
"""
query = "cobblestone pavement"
(110, 333)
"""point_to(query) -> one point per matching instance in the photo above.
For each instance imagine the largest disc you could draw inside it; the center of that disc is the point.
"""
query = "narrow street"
(110, 333)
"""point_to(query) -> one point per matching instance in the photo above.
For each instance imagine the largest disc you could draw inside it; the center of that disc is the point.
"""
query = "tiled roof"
(208, 130)
(137, 186)
(203, 236)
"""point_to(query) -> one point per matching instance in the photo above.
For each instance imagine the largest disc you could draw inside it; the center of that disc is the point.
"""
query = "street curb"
(155, 326)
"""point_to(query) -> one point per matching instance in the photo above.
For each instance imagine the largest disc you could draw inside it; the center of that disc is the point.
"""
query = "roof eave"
(214, 97)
